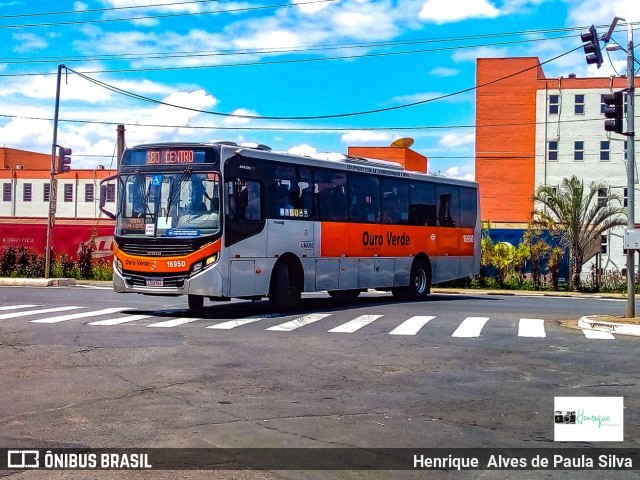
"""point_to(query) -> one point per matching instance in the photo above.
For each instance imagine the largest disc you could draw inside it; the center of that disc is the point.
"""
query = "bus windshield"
(169, 204)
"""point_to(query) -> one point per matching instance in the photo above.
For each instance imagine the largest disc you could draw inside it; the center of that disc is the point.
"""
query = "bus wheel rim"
(421, 281)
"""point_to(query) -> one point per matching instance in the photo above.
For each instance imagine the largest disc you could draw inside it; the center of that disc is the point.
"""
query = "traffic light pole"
(631, 174)
(52, 180)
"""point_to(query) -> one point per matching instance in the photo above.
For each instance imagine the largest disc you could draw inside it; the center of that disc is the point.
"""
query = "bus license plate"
(154, 282)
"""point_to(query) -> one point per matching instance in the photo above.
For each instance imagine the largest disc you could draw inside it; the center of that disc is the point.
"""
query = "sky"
(301, 76)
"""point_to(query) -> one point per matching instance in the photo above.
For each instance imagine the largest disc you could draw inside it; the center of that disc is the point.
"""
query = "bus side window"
(364, 195)
(448, 208)
(331, 195)
(244, 200)
(422, 204)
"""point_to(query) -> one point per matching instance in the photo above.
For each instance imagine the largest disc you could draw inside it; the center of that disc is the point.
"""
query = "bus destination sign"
(170, 157)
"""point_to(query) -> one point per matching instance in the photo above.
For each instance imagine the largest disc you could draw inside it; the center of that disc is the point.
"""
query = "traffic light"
(614, 111)
(592, 46)
(64, 160)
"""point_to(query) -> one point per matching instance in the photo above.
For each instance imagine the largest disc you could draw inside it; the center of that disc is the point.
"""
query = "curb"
(37, 282)
(591, 322)
(526, 293)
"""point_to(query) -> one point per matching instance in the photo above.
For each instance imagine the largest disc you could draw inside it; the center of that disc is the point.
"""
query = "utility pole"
(631, 236)
(120, 145)
(53, 184)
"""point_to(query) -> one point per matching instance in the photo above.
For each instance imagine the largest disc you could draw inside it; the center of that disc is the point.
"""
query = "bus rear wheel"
(284, 293)
(419, 283)
(196, 302)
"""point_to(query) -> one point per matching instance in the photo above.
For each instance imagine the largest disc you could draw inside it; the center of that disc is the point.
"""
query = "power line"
(312, 117)
(167, 15)
(299, 129)
(283, 61)
(106, 9)
(222, 53)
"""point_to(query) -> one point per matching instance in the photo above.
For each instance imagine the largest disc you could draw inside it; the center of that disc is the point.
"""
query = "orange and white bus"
(218, 220)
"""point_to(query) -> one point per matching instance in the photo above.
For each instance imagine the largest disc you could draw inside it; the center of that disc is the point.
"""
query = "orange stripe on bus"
(370, 240)
(138, 263)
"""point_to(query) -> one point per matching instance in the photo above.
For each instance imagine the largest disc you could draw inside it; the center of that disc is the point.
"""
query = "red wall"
(65, 237)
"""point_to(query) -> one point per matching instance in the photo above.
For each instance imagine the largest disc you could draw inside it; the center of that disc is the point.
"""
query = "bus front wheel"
(196, 302)
(284, 293)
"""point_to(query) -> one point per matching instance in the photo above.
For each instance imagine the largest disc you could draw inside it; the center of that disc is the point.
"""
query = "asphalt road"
(455, 371)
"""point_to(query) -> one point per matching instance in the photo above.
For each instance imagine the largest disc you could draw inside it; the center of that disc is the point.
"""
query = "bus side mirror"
(103, 196)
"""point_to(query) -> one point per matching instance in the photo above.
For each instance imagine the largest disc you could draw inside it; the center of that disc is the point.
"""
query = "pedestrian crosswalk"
(469, 327)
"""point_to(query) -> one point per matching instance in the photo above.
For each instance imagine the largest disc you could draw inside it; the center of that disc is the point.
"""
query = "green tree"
(578, 216)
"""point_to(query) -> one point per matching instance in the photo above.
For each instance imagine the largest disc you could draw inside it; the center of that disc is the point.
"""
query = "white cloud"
(365, 136)
(309, 8)
(445, 11)
(303, 149)
(587, 12)
(454, 140)
(27, 42)
(444, 72)
(416, 97)
(239, 120)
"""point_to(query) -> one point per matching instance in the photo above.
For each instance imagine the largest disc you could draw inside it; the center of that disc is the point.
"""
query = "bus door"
(244, 227)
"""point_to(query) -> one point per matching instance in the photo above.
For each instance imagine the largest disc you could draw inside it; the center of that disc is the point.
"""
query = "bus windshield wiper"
(176, 187)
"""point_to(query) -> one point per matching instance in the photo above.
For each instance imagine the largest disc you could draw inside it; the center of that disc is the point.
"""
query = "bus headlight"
(199, 266)
(118, 265)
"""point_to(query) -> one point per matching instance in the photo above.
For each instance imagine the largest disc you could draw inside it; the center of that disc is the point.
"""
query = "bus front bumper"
(207, 283)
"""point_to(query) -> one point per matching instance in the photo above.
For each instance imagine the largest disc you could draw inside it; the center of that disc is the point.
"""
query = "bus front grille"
(169, 282)
(157, 250)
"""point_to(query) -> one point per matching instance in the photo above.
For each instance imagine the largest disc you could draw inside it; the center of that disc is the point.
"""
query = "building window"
(68, 192)
(578, 151)
(604, 150)
(624, 197)
(603, 244)
(625, 149)
(579, 105)
(602, 104)
(602, 196)
(88, 192)
(6, 192)
(553, 151)
(554, 104)
(26, 193)
(46, 191)
(111, 193)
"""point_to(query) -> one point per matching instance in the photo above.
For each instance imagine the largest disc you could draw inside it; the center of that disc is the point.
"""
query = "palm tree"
(578, 216)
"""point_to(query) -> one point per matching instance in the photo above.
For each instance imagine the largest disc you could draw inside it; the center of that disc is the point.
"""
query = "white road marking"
(531, 327)
(16, 307)
(598, 335)
(298, 322)
(119, 320)
(74, 316)
(470, 327)
(234, 323)
(36, 312)
(174, 323)
(356, 324)
(412, 325)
